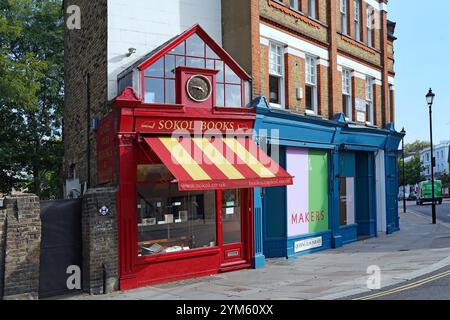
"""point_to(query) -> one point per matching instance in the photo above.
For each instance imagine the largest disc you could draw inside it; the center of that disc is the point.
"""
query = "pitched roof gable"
(153, 56)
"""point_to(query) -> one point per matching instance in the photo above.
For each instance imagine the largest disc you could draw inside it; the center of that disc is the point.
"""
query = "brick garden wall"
(20, 241)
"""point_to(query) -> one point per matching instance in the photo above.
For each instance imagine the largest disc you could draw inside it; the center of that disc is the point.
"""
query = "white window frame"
(347, 91)
(311, 81)
(293, 4)
(370, 99)
(344, 17)
(279, 73)
(357, 19)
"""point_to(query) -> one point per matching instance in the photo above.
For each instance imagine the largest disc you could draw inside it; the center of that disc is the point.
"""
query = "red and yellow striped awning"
(218, 163)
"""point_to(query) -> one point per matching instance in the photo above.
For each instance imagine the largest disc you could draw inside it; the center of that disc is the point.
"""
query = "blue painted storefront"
(351, 153)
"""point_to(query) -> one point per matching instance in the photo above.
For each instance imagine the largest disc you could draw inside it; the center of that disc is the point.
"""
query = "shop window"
(307, 198)
(276, 75)
(347, 94)
(231, 216)
(347, 201)
(311, 84)
(344, 16)
(159, 78)
(173, 221)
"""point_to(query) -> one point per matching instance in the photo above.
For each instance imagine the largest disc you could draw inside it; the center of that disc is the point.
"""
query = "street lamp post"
(403, 132)
(430, 99)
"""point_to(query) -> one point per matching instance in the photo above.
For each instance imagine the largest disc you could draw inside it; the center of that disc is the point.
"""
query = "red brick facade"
(342, 51)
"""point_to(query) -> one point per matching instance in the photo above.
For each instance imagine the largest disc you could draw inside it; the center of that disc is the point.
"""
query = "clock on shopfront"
(199, 88)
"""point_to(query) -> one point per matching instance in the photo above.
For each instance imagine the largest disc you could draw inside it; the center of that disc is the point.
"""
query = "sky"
(422, 61)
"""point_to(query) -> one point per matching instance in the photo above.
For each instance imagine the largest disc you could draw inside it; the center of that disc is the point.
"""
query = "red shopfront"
(187, 165)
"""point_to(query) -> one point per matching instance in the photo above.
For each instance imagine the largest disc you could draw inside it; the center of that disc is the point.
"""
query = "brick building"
(322, 76)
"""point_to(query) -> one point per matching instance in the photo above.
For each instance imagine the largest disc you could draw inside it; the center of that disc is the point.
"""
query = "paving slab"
(418, 249)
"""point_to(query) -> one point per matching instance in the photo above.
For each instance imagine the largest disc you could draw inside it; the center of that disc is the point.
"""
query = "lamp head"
(430, 97)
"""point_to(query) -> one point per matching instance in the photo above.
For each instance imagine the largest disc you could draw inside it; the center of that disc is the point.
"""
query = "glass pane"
(171, 221)
(170, 91)
(195, 62)
(181, 62)
(195, 46)
(219, 66)
(209, 64)
(170, 66)
(231, 216)
(247, 94)
(180, 49)
(211, 54)
(156, 69)
(220, 95)
(347, 203)
(230, 76)
(233, 96)
(309, 98)
(154, 90)
(274, 86)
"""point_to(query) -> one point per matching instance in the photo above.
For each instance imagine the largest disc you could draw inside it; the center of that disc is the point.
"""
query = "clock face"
(199, 88)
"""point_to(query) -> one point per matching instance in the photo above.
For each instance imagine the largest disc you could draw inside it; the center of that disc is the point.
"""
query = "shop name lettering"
(190, 125)
(313, 216)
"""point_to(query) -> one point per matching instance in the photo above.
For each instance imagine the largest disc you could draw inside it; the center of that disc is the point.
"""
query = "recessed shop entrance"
(365, 194)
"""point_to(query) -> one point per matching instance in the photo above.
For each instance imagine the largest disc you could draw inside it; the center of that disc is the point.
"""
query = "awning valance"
(218, 163)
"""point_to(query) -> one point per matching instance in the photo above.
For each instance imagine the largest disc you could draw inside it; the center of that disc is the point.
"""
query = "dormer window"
(159, 78)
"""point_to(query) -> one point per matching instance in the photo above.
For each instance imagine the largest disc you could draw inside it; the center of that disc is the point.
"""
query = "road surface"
(442, 211)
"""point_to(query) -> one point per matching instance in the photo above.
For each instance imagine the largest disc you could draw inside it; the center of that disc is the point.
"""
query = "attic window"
(159, 78)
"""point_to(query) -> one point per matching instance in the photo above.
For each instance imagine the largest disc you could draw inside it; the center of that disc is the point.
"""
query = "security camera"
(131, 51)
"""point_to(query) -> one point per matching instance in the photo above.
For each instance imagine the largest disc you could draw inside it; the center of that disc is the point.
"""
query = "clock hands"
(199, 88)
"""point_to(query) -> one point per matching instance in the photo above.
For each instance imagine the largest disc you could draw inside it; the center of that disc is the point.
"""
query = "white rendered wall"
(146, 24)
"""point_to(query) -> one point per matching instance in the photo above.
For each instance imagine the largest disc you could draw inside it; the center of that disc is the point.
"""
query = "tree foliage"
(416, 147)
(413, 171)
(31, 95)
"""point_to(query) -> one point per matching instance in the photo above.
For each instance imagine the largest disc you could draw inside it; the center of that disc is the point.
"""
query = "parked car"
(412, 196)
(425, 192)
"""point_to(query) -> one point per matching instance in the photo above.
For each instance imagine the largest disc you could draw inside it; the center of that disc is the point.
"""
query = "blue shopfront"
(345, 177)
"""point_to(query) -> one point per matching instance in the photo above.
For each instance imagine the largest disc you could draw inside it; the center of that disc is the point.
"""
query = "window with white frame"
(344, 16)
(276, 75)
(347, 107)
(311, 84)
(295, 4)
(357, 18)
(369, 99)
(370, 22)
(389, 101)
(312, 10)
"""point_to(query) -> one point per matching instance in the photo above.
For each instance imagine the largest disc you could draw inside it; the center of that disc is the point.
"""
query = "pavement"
(420, 248)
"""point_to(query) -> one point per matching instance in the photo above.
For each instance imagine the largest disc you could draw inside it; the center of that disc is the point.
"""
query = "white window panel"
(346, 82)
(276, 59)
(311, 70)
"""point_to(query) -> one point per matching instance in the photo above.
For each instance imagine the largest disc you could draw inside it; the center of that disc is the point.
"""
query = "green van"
(425, 192)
